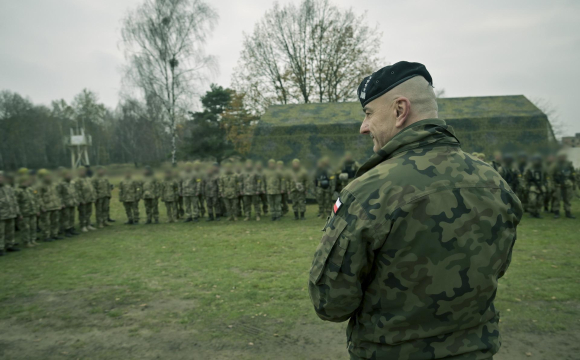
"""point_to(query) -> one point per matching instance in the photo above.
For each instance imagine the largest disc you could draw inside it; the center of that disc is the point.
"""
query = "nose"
(364, 128)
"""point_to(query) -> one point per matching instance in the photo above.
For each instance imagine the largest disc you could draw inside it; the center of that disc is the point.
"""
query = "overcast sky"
(52, 49)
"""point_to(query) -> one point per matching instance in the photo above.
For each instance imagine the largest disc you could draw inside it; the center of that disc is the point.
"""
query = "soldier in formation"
(129, 195)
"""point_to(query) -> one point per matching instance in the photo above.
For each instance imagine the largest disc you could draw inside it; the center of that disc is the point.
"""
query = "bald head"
(412, 101)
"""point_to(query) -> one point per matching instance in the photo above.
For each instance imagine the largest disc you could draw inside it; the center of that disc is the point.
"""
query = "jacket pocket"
(330, 252)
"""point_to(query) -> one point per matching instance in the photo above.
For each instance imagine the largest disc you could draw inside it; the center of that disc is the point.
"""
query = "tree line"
(310, 52)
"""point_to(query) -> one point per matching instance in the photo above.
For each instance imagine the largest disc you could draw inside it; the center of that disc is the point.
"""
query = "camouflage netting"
(482, 124)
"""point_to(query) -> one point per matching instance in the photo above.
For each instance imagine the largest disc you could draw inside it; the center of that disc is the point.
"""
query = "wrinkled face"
(379, 122)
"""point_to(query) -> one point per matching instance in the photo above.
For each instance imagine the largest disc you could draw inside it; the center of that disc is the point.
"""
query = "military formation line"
(42, 205)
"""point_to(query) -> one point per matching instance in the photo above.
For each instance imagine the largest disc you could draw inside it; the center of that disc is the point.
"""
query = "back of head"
(421, 96)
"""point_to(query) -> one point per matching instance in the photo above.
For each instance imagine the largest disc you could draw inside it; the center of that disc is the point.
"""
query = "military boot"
(90, 227)
(12, 249)
(74, 232)
(84, 229)
(148, 222)
(217, 218)
(188, 220)
(209, 218)
(29, 245)
(257, 217)
(302, 216)
(129, 222)
(557, 214)
(296, 215)
(569, 215)
(110, 220)
(67, 233)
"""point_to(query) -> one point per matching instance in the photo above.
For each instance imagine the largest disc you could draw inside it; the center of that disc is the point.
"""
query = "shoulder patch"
(337, 205)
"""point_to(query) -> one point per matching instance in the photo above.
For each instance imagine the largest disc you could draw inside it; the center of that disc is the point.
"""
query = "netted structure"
(482, 124)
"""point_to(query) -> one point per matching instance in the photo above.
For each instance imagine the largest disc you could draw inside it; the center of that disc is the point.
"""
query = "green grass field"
(239, 290)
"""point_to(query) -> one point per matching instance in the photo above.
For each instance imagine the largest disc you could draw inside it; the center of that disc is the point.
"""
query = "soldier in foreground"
(417, 242)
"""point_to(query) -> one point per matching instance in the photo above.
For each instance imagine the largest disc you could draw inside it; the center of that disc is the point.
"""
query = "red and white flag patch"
(337, 205)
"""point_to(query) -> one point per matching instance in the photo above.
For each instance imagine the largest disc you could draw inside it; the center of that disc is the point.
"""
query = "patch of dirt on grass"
(65, 328)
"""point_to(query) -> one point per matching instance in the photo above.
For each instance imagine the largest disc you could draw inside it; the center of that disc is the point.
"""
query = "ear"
(402, 111)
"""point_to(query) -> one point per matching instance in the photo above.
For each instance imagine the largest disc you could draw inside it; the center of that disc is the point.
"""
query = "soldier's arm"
(342, 262)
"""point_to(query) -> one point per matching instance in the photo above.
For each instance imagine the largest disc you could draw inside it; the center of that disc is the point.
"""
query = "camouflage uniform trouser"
(535, 202)
(152, 209)
(231, 206)
(324, 200)
(27, 227)
(200, 202)
(298, 202)
(102, 210)
(284, 203)
(239, 206)
(132, 210)
(212, 206)
(67, 218)
(549, 198)
(274, 201)
(191, 204)
(7, 233)
(171, 207)
(565, 194)
(179, 207)
(85, 211)
(250, 200)
(264, 200)
(50, 223)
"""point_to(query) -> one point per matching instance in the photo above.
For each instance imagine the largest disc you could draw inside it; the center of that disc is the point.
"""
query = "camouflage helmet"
(280, 162)
(271, 161)
(296, 161)
(42, 172)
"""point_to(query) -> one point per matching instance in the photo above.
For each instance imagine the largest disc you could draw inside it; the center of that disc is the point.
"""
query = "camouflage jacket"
(169, 190)
(299, 182)
(27, 201)
(260, 183)
(150, 186)
(563, 174)
(249, 183)
(191, 185)
(536, 179)
(229, 186)
(274, 180)
(67, 193)
(130, 190)
(102, 187)
(85, 190)
(414, 249)
(8, 204)
(49, 199)
(211, 186)
(512, 175)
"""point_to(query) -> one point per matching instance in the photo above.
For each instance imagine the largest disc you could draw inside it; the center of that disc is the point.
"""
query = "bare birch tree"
(165, 47)
(314, 52)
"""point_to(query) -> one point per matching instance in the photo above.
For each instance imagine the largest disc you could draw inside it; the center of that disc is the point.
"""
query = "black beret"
(388, 77)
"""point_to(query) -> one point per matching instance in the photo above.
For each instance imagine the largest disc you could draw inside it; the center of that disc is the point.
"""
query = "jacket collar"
(420, 134)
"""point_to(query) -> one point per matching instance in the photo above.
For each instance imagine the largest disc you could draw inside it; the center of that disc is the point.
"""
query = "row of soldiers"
(43, 207)
(539, 182)
(42, 204)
